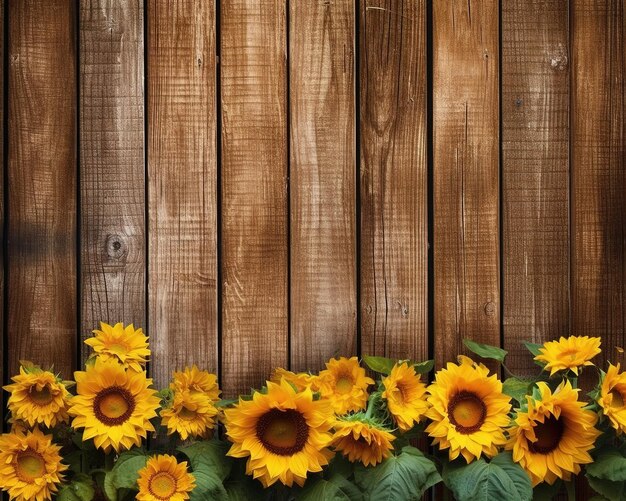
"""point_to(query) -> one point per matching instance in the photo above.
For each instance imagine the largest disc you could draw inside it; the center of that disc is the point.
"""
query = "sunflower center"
(41, 397)
(162, 485)
(30, 466)
(187, 414)
(344, 384)
(617, 399)
(282, 432)
(113, 406)
(467, 412)
(548, 435)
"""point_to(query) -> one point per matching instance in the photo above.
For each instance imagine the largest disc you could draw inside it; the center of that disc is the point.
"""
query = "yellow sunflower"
(190, 415)
(113, 405)
(405, 395)
(344, 384)
(196, 382)
(362, 440)
(30, 465)
(612, 397)
(569, 353)
(38, 397)
(552, 434)
(468, 410)
(300, 380)
(164, 479)
(124, 344)
(283, 433)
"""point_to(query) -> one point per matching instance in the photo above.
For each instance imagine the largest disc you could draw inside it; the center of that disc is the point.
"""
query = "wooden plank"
(41, 322)
(599, 172)
(182, 172)
(254, 191)
(322, 182)
(393, 179)
(2, 151)
(466, 247)
(112, 186)
(535, 175)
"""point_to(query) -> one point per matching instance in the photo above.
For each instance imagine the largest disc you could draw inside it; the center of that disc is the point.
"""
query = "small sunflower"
(468, 410)
(360, 439)
(164, 479)
(405, 395)
(344, 384)
(196, 382)
(284, 434)
(190, 415)
(300, 380)
(113, 405)
(569, 353)
(552, 434)
(612, 397)
(38, 397)
(30, 465)
(124, 344)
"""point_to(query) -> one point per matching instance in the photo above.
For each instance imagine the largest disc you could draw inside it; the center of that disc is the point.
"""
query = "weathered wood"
(322, 182)
(42, 319)
(535, 175)
(254, 191)
(182, 172)
(2, 150)
(466, 247)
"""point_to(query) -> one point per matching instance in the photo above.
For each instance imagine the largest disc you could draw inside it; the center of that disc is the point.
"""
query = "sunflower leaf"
(424, 367)
(613, 491)
(336, 488)
(485, 350)
(80, 489)
(212, 454)
(209, 486)
(125, 473)
(516, 388)
(609, 464)
(381, 365)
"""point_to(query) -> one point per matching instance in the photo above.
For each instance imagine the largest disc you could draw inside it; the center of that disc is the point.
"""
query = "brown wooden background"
(273, 182)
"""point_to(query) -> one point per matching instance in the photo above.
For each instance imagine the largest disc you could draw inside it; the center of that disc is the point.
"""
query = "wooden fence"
(273, 182)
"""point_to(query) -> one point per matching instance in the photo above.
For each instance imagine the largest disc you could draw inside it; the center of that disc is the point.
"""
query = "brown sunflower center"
(41, 397)
(344, 384)
(617, 399)
(162, 485)
(467, 412)
(187, 414)
(548, 435)
(113, 406)
(29, 466)
(282, 432)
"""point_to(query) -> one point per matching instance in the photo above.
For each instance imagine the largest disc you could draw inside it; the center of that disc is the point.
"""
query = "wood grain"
(182, 171)
(2, 214)
(42, 319)
(535, 175)
(112, 185)
(322, 181)
(254, 191)
(465, 101)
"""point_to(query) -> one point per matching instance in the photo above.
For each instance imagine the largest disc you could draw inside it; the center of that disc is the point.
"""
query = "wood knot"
(115, 247)
(559, 63)
(519, 102)
(490, 308)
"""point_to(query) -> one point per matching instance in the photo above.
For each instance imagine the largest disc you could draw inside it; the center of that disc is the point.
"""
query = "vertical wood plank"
(322, 180)
(535, 175)
(466, 251)
(112, 186)
(2, 213)
(182, 172)
(42, 184)
(254, 191)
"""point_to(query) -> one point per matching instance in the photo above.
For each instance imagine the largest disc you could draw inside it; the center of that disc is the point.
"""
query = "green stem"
(371, 404)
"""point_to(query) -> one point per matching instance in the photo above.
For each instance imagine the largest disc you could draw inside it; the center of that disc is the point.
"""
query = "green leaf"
(546, 492)
(424, 367)
(613, 491)
(225, 402)
(516, 388)
(208, 487)
(482, 481)
(533, 348)
(485, 350)
(212, 454)
(80, 489)
(339, 465)
(322, 490)
(609, 464)
(379, 364)
(125, 473)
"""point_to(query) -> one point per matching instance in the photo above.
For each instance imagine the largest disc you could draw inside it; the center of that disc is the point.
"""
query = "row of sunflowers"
(337, 434)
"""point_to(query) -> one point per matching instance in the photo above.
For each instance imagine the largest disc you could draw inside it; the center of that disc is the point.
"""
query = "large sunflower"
(300, 380)
(38, 397)
(468, 410)
(612, 397)
(344, 384)
(190, 415)
(568, 353)
(124, 344)
(164, 479)
(113, 405)
(552, 434)
(283, 433)
(360, 439)
(196, 382)
(405, 395)
(30, 465)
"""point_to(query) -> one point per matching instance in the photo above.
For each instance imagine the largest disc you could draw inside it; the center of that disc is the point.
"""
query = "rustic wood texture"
(466, 143)
(182, 172)
(599, 172)
(2, 214)
(254, 191)
(112, 186)
(393, 179)
(42, 318)
(322, 182)
(535, 175)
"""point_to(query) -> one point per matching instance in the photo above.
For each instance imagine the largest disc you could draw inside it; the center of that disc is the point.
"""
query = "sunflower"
(361, 439)
(569, 353)
(300, 380)
(196, 382)
(30, 465)
(163, 478)
(405, 395)
(190, 415)
(612, 397)
(468, 410)
(552, 434)
(124, 344)
(38, 397)
(283, 433)
(344, 384)
(113, 405)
